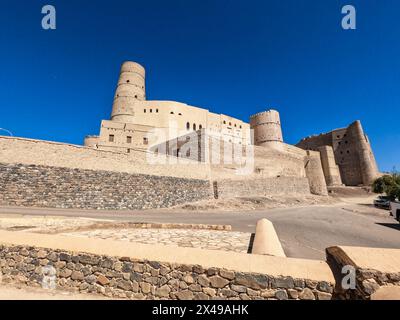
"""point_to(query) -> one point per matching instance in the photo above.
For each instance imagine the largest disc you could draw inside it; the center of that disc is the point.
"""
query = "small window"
(188, 153)
(128, 151)
(144, 110)
(235, 125)
(151, 110)
(230, 123)
(136, 96)
(200, 127)
(127, 81)
(346, 142)
(240, 126)
(348, 151)
(194, 126)
(156, 110)
(128, 139)
(224, 122)
(180, 114)
(171, 112)
(187, 125)
(111, 138)
(338, 137)
(145, 141)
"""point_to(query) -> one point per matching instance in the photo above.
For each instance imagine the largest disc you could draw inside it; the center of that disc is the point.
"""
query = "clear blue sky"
(233, 57)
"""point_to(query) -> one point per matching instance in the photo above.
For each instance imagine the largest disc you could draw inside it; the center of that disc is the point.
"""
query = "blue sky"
(233, 57)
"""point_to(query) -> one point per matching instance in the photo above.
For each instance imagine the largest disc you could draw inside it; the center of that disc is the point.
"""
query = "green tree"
(389, 184)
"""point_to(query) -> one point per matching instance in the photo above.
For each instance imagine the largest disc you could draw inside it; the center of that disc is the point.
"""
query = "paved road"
(304, 232)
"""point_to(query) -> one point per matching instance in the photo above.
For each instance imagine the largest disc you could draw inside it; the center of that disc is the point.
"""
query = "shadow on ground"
(395, 226)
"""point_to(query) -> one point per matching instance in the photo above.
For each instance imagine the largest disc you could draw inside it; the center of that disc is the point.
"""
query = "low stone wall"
(142, 271)
(261, 187)
(56, 187)
(125, 277)
(374, 269)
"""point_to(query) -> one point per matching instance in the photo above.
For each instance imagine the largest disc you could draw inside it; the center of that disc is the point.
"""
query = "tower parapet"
(130, 89)
(267, 128)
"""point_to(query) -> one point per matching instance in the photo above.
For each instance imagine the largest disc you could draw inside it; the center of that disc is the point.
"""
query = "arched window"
(187, 125)
(194, 126)
(200, 127)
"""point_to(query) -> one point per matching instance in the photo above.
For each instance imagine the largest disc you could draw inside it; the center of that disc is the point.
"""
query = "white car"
(395, 210)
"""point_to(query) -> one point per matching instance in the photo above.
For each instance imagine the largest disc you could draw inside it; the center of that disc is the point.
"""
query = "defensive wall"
(139, 271)
(49, 174)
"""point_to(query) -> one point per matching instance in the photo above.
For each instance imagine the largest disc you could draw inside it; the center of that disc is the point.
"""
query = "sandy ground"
(8, 292)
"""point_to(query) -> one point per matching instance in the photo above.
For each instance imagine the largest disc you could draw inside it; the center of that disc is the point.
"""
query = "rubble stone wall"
(123, 277)
(56, 187)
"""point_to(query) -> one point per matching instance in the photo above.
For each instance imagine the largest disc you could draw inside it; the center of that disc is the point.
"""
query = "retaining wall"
(137, 271)
(56, 187)
(261, 187)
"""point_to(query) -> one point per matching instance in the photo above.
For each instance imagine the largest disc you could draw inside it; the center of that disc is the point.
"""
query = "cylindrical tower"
(267, 129)
(131, 88)
(368, 166)
(91, 141)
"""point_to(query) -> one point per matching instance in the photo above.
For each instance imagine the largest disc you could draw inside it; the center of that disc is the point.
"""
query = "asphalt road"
(305, 232)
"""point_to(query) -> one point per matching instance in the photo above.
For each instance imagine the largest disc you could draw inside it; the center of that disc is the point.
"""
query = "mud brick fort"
(154, 154)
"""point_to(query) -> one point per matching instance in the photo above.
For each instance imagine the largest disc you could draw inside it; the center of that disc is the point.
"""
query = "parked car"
(395, 209)
(382, 202)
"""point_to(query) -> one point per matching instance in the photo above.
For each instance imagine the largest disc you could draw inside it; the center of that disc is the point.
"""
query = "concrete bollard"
(266, 240)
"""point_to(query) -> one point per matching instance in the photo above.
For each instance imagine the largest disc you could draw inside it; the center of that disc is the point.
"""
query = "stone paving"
(204, 239)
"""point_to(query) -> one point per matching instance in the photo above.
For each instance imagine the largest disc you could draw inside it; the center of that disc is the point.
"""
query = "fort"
(161, 154)
(200, 155)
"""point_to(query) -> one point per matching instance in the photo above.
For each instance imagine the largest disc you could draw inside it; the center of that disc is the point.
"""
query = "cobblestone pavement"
(204, 239)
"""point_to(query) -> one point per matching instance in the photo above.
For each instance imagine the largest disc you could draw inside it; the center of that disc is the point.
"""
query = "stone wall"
(374, 269)
(261, 187)
(42, 186)
(54, 154)
(124, 277)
